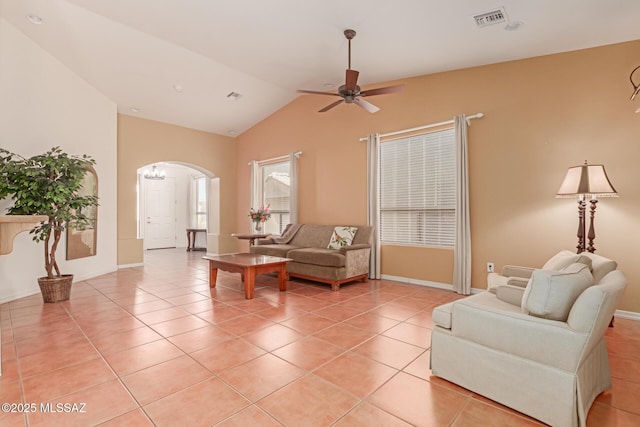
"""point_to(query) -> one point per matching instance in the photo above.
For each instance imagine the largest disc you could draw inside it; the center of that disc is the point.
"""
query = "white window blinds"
(417, 190)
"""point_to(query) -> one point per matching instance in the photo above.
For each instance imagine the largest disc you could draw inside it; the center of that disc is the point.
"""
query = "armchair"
(544, 355)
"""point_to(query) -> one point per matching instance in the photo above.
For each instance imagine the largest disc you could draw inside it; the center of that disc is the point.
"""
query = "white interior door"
(160, 208)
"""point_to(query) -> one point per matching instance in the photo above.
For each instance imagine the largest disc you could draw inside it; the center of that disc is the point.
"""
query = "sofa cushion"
(551, 294)
(318, 256)
(341, 237)
(272, 250)
(563, 259)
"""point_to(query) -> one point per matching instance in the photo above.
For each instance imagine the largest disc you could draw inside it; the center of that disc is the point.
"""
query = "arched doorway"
(177, 196)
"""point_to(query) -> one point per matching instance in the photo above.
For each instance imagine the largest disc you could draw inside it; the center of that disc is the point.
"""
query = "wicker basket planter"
(56, 289)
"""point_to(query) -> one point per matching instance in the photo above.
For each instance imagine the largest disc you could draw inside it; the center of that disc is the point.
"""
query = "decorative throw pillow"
(341, 237)
(551, 294)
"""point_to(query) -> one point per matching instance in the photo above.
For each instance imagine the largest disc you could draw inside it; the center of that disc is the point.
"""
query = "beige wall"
(142, 142)
(542, 115)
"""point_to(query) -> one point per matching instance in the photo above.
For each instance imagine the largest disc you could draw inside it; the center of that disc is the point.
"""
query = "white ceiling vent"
(492, 17)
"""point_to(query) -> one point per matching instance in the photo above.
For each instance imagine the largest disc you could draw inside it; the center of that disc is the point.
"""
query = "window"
(200, 202)
(417, 190)
(275, 189)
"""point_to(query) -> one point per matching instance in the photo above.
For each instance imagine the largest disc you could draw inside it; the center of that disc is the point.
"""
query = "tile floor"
(155, 346)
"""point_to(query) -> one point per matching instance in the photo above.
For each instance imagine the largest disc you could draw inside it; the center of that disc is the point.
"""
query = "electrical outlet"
(490, 267)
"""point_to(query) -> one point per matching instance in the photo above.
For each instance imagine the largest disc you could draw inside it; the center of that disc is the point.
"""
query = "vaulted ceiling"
(177, 61)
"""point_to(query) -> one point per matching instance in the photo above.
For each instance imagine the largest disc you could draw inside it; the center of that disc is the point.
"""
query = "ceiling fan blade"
(383, 90)
(330, 106)
(351, 80)
(313, 92)
(366, 105)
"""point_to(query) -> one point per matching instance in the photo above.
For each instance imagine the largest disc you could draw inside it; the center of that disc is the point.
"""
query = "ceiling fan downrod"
(349, 34)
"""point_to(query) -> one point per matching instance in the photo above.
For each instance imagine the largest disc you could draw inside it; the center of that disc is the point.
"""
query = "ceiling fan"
(350, 91)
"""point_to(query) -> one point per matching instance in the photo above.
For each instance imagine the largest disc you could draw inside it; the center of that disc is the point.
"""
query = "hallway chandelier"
(154, 173)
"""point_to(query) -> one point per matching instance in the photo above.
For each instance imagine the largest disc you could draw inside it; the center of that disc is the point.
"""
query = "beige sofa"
(313, 260)
(539, 349)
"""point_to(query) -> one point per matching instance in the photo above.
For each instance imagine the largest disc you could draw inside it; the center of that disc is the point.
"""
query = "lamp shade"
(586, 180)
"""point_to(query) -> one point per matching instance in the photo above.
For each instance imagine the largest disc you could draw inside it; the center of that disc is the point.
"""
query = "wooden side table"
(251, 237)
(191, 238)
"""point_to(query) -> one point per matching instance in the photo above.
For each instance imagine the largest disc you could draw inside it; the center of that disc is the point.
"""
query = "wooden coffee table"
(249, 266)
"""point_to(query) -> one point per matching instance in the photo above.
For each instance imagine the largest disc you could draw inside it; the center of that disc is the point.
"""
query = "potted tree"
(48, 184)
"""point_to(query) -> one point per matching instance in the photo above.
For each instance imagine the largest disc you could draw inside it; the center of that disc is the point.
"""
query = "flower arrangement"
(260, 215)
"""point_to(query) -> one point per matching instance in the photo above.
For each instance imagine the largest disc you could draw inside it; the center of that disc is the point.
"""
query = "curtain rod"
(432, 125)
(297, 154)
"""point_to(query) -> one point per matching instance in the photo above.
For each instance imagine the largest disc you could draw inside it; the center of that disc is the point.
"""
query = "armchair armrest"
(517, 271)
(520, 282)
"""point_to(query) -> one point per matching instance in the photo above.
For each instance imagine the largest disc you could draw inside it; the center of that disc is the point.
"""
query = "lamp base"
(592, 232)
(581, 225)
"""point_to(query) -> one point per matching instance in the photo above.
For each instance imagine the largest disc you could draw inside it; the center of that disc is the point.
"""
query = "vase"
(258, 227)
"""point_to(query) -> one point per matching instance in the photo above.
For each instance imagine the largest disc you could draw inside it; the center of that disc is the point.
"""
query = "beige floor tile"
(203, 404)
(309, 401)
(405, 396)
(261, 376)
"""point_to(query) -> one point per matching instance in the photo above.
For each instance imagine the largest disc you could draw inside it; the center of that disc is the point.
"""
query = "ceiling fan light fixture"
(350, 91)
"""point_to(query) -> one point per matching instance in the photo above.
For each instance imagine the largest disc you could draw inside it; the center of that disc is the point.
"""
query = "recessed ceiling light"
(231, 132)
(178, 88)
(135, 110)
(35, 19)
(328, 85)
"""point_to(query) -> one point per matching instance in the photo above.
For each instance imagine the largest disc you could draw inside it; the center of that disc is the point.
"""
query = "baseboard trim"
(427, 283)
(139, 264)
(18, 296)
(627, 315)
(80, 278)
